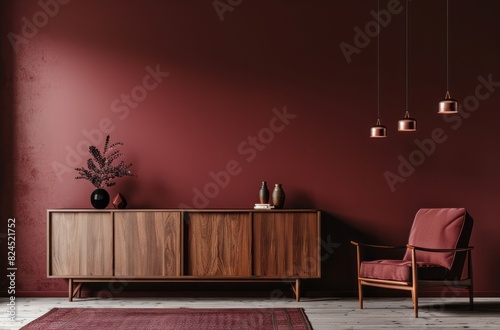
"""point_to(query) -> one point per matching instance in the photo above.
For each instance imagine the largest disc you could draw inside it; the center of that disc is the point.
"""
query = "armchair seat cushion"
(400, 270)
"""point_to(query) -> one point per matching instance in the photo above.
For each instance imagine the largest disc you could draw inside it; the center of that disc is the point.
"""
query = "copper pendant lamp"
(407, 124)
(379, 130)
(448, 105)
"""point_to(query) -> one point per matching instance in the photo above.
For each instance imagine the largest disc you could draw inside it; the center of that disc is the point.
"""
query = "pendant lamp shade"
(378, 131)
(407, 124)
(448, 105)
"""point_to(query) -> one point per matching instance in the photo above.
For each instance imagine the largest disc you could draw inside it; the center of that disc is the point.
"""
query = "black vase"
(99, 198)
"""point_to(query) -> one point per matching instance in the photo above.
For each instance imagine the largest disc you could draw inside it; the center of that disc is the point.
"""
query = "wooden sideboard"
(168, 245)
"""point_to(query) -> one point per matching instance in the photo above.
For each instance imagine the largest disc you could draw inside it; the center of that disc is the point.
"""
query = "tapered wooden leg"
(360, 287)
(70, 289)
(76, 292)
(415, 301)
(414, 273)
(471, 288)
(297, 289)
(471, 298)
(360, 294)
(471, 295)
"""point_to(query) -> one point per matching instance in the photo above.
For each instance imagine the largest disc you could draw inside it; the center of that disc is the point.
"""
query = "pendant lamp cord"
(407, 9)
(378, 62)
(447, 48)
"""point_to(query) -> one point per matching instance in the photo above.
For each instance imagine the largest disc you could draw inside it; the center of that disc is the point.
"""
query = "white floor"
(324, 313)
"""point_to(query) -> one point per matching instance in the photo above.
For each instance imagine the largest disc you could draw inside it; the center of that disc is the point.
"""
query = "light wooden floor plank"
(324, 313)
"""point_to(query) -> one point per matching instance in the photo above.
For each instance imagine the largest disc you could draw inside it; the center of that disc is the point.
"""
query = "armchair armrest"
(420, 248)
(378, 246)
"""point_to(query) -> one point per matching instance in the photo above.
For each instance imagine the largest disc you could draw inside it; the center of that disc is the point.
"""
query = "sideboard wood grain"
(80, 244)
(148, 244)
(285, 244)
(219, 244)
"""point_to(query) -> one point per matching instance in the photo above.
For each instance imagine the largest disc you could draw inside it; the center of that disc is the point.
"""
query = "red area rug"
(173, 319)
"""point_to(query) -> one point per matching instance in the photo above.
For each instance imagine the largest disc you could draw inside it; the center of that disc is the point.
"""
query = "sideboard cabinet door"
(148, 244)
(286, 244)
(80, 244)
(219, 244)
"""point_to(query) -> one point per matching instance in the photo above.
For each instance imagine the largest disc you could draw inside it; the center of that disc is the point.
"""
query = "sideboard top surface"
(182, 210)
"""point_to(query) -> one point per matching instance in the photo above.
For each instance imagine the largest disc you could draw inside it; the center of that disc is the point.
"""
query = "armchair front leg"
(471, 288)
(414, 276)
(358, 264)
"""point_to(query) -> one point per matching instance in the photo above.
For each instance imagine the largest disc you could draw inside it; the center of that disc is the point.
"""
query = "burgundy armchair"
(436, 255)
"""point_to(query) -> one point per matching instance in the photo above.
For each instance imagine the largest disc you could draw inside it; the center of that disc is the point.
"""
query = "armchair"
(436, 254)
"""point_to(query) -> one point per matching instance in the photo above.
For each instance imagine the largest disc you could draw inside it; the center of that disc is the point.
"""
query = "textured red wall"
(265, 87)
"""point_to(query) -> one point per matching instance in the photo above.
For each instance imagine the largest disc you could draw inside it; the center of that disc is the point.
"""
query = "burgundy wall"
(267, 88)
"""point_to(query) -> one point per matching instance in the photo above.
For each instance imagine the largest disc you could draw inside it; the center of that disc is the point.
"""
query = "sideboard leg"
(296, 289)
(78, 290)
(70, 289)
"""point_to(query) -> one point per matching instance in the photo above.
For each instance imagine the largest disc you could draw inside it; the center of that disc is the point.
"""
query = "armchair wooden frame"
(415, 284)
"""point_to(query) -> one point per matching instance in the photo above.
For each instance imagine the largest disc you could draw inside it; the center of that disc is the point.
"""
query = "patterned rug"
(173, 319)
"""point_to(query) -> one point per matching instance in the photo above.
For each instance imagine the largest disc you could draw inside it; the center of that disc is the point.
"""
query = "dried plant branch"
(100, 170)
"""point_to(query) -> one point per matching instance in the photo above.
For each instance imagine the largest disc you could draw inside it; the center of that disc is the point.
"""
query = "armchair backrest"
(441, 228)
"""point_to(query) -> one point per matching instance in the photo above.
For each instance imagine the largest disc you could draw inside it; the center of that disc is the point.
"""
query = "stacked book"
(263, 206)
